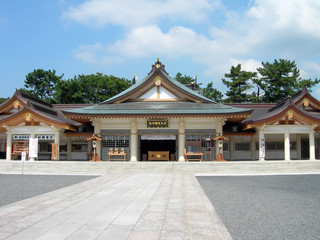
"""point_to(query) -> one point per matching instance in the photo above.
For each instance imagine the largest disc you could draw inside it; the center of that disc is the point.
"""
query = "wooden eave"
(239, 134)
(231, 117)
(298, 115)
(78, 134)
(9, 105)
(19, 117)
(312, 101)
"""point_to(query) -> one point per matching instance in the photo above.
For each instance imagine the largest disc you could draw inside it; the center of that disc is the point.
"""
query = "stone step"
(97, 168)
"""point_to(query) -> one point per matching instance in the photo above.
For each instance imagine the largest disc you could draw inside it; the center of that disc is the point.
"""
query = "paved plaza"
(117, 206)
(267, 207)
(160, 206)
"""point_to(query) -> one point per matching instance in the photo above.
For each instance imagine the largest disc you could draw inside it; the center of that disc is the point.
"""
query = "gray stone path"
(137, 206)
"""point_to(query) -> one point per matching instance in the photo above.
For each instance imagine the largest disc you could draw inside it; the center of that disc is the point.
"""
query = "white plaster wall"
(115, 124)
(200, 123)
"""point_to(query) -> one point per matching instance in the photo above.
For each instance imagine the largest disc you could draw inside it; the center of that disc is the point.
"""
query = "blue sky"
(123, 37)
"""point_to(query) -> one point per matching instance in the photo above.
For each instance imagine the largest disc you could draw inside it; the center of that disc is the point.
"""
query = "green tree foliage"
(239, 84)
(93, 88)
(41, 84)
(68, 92)
(184, 79)
(2, 100)
(281, 79)
(212, 93)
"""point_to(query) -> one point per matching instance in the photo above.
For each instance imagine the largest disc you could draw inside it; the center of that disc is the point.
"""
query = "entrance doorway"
(305, 149)
(157, 143)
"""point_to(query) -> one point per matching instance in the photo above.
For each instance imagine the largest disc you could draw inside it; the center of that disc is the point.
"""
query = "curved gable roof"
(28, 110)
(158, 69)
(278, 112)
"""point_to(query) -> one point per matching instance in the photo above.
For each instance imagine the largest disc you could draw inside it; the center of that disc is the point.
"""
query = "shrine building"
(160, 119)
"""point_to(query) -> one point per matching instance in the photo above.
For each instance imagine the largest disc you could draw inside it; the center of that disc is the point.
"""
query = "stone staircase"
(205, 168)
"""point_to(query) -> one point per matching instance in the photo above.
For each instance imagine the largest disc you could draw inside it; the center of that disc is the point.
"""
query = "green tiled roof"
(159, 108)
(172, 80)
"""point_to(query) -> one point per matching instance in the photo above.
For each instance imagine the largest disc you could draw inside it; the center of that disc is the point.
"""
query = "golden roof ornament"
(158, 64)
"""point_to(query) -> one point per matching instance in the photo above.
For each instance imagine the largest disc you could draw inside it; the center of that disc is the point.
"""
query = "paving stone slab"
(117, 206)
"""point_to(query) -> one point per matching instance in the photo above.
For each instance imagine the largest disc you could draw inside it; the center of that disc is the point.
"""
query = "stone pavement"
(117, 206)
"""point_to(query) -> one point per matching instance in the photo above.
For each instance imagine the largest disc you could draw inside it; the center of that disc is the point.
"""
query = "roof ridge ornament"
(158, 66)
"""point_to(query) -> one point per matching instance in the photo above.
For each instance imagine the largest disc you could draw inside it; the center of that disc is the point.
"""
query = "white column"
(69, 148)
(134, 140)
(9, 146)
(181, 140)
(57, 141)
(287, 146)
(311, 146)
(262, 148)
(298, 146)
(253, 148)
(231, 145)
(97, 131)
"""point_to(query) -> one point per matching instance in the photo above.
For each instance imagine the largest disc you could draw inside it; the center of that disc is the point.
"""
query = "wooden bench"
(189, 156)
(116, 155)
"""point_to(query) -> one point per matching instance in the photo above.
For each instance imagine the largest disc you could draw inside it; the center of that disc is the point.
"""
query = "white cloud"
(97, 13)
(311, 67)
(150, 40)
(269, 29)
(96, 54)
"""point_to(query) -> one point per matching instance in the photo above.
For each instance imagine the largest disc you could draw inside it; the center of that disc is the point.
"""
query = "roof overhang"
(28, 114)
(291, 112)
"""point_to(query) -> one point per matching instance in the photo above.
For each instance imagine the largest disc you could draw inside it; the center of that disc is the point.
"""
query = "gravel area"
(267, 207)
(18, 187)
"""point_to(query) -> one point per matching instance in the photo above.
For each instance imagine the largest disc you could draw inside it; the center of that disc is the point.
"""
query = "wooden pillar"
(69, 148)
(57, 141)
(134, 140)
(181, 140)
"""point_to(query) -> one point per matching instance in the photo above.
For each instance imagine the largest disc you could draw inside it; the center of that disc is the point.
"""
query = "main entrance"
(158, 147)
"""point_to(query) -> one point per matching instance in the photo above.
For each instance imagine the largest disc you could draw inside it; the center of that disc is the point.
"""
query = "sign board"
(54, 153)
(23, 156)
(157, 123)
(262, 148)
(45, 137)
(33, 147)
(158, 137)
(20, 137)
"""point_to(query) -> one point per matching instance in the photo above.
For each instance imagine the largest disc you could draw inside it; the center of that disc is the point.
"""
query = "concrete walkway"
(117, 206)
